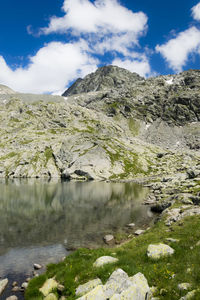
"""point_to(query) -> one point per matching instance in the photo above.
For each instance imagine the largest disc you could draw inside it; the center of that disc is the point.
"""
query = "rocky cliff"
(113, 124)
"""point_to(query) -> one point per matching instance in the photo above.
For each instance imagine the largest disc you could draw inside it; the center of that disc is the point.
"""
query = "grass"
(165, 273)
(9, 155)
(48, 154)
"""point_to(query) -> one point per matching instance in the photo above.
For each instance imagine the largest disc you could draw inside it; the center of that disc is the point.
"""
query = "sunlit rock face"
(112, 124)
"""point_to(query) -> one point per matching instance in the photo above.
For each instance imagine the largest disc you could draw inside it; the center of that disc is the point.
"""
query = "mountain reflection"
(35, 212)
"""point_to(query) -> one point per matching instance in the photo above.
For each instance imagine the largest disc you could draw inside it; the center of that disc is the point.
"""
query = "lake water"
(39, 220)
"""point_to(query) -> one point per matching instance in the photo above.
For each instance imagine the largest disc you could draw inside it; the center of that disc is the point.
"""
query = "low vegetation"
(165, 274)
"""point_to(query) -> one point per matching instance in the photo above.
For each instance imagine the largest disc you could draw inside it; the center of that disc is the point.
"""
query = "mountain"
(6, 90)
(104, 78)
(113, 124)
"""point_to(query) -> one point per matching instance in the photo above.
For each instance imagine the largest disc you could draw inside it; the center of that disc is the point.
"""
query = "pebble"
(60, 287)
(14, 283)
(131, 225)
(12, 298)
(139, 232)
(15, 289)
(172, 240)
(24, 285)
(37, 266)
(109, 239)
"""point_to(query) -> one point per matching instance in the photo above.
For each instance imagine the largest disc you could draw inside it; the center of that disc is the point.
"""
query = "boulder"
(96, 294)
(158, 251)
(51, 297)
(87, 287)
(3, 284)
(103, 260)
(48, 286)
(117, 282)
(127, 288)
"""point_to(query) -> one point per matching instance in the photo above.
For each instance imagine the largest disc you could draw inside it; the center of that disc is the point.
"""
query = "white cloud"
(196, 12)
(140, 66)
(50, 70)
(177, 50)
(102, 16)
(105, 24)
(101, 27)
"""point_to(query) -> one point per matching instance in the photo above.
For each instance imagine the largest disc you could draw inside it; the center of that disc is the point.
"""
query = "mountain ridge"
(114, 131)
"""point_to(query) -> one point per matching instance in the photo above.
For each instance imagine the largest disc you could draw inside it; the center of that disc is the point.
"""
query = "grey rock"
(171, 240)
(12, 298)
(24, 285)
(184, 286)
(160, 207)
(3, 284)
(109, 239)
(103, 260)
(131, 225)
(139, 232)
(158, 251)
(191, 173)
(37, 266)
(87, 287)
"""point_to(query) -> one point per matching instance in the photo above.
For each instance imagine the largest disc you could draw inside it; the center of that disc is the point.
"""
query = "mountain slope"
(127, 128)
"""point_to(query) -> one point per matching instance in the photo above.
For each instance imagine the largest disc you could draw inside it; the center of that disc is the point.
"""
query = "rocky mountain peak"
(103, 78)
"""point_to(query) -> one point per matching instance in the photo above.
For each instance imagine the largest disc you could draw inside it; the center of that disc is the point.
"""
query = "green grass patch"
(9, 155)
(48, 154)
(165, 273)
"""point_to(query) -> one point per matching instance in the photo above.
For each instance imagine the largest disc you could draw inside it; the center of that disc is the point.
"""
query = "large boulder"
(121, 287)
(87, 287)
(96, 294)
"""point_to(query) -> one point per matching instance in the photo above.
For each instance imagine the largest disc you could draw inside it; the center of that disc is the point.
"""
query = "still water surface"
(39, 220)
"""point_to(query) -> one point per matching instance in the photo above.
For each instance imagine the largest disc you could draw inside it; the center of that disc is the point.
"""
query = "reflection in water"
(38, 214)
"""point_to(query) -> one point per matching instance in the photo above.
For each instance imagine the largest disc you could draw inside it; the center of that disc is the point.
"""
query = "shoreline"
(167, 197)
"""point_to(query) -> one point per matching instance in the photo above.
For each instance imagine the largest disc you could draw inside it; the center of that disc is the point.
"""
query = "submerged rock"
(12, 298)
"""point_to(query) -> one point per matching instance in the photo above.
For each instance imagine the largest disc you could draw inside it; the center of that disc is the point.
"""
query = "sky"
(47, 44)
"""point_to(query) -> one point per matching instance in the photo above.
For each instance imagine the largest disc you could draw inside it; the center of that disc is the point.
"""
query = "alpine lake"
(42, 221)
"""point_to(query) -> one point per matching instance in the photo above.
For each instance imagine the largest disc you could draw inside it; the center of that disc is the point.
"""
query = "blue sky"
(45, 45)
